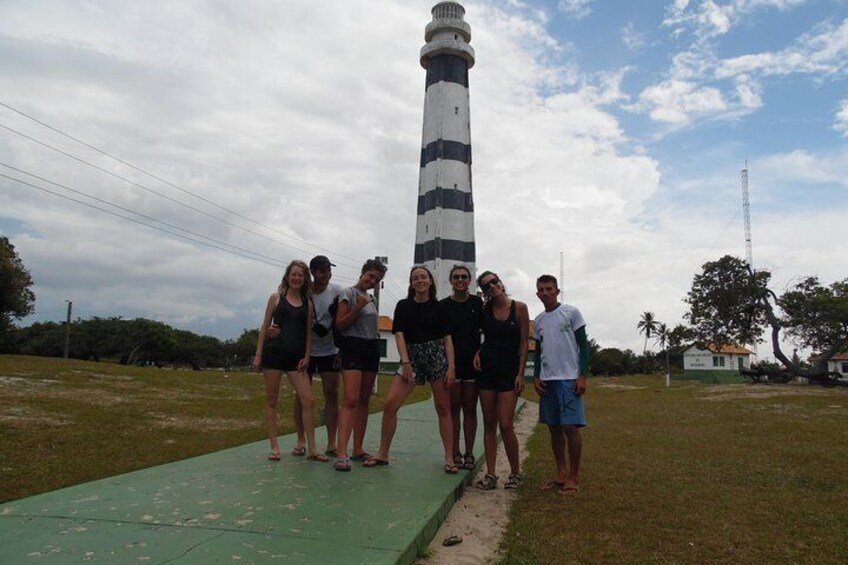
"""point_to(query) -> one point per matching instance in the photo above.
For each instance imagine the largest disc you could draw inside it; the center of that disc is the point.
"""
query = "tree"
(647, 325)
(680, 335)
(730, 303)
(16, 298)
(662, 340)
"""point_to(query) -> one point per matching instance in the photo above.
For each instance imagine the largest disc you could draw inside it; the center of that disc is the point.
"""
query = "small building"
(838, 364)
(711, 364)
(389, 356)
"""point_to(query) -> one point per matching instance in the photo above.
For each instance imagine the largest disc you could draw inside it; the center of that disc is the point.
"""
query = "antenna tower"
(746, 212)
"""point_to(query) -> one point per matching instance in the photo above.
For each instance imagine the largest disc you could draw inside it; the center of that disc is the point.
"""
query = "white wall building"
(728, 358)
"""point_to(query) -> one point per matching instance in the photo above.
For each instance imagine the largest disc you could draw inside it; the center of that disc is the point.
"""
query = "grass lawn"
(693, 474)
(64, 422)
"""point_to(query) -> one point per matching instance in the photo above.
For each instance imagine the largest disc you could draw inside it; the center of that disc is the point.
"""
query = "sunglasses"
(489, 284)
(460, 277)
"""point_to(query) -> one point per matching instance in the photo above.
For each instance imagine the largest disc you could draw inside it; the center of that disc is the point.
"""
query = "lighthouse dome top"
(448, 17)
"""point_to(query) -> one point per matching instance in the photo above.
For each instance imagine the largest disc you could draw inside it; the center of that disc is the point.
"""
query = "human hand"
(362, 300)
(337, 361)
(476, 362)
(519, 384)
(540, 386)
(580, 385)
(303, 364)
(273, 330)
(406, 372)
(450, 377)
(257, 363)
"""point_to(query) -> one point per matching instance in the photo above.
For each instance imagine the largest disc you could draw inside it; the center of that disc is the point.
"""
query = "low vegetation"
(64, 422)
(693, 474)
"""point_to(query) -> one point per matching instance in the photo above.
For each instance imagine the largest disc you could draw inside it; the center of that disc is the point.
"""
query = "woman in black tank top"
(501, 359)
(284, 346)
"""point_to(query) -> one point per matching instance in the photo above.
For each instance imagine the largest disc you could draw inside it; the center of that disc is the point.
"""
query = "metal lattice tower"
(746, 212)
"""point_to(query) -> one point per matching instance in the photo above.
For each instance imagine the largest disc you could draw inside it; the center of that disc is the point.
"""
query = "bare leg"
(398, 392)
(455, 407)
(489, 404)
(272, 394)
(558, 448)
(469, 414)
(575, 450)
(298, 419)
(330, 383)
(302, 386)
(506, 417)
(352, 383)
(442, 401)
(361, 421)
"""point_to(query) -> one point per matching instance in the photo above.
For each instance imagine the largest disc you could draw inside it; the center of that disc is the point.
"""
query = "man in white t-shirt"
(562, 362)
(324, 359)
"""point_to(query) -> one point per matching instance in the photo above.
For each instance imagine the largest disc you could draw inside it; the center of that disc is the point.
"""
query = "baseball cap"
(320, 262)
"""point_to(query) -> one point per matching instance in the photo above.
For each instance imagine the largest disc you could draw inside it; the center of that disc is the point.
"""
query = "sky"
(235, 137)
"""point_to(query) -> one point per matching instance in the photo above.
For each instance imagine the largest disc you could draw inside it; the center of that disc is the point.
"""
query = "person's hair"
(411, 292)
(459, 268)
(548, 279)
(307, 279)
(373, 265)
(487, 301)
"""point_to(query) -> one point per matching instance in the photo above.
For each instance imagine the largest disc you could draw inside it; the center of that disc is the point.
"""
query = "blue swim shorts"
(559, 406)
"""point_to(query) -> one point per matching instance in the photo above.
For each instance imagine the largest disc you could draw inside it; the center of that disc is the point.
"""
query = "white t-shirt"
(324, 346)
(560, 352)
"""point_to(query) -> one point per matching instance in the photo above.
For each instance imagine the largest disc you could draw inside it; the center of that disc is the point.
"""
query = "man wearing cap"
(325, 354)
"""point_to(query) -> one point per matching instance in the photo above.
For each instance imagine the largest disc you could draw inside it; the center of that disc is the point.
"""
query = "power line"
(145, 216)
(212, 245)
(156, 177)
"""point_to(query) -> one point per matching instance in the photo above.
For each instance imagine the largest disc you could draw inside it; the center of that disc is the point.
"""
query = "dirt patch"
(619, 387)
(24, 416)
(740, 392)
(171, 421)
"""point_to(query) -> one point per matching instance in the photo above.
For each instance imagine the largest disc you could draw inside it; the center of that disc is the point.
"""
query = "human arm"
(405, 363)
(263, 331)
(310, 316)
(347, 312)
(583, 345)
(450, 375)
(538, 383)
(524, 335)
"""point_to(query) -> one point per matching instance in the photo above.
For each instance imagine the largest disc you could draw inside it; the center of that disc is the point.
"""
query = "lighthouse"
(444, 234)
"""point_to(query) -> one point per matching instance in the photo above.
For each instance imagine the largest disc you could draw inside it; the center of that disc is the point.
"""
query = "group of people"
(467, 349)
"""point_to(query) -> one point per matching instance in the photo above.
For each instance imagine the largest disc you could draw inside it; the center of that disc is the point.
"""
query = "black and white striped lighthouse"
(444, 235)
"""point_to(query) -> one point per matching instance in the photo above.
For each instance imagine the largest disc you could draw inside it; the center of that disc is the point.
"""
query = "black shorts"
(360, 354)
(466, 373)
(322, 364)
(279, 360)
(501, 380)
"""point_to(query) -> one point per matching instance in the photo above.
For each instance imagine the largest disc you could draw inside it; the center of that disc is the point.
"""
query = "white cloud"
(631, 38)
(677, 102)
(841, 123)
(709, 18)
(577, 9)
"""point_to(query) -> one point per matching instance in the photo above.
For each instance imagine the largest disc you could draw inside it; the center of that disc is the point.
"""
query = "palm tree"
(662, 333)
(647, 325)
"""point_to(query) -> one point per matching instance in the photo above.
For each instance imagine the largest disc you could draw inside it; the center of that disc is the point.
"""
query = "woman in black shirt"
(426, 354)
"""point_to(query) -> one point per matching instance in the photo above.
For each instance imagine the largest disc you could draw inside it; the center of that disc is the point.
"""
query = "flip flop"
(451, 469)
(318, 457)
(299, 450)
(364, 456)
(273, 456)
(570, 490)
(342, 464)
(331, 452)
(553, 485)
(374, 462)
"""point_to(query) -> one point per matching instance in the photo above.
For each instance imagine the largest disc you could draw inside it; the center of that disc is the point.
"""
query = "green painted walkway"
(234, 506)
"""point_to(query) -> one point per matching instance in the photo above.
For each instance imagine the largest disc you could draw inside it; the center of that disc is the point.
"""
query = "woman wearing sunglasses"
(463, 311)
(501, 360)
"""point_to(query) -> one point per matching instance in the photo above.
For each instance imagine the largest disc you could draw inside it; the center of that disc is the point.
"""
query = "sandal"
(331, 452)
(374, 462)
(515, 481)
(364, 456)
(451, 469)
(274, 456)
(457, 460)
(468, 461)
(318, 457)
(342, 464)
(452, 540)
(299, 450)
(489, 482)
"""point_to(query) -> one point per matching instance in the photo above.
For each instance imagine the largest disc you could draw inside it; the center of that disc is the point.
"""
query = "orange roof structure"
(729, 349)
(384, 324)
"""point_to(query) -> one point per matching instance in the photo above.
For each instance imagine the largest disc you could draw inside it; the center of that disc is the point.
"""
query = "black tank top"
(500, 346)
(292, 322)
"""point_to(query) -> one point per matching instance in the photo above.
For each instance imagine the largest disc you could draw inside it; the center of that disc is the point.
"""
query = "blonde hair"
(307, 279)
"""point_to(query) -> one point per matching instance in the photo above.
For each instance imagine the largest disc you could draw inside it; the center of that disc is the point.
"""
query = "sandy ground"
(480, 517)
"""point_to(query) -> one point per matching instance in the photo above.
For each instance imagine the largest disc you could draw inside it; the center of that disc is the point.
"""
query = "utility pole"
(68, 330)
(385, 261)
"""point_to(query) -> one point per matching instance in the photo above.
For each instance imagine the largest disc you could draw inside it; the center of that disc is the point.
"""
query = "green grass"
(64, 422)
(693, 474)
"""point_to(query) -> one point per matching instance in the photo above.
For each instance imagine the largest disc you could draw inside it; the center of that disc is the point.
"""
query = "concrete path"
(234, 506)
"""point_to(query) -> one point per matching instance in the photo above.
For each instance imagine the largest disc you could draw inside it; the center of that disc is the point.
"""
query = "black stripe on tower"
(446, 249)
(448, 68)
(447, 198)
(445, 149)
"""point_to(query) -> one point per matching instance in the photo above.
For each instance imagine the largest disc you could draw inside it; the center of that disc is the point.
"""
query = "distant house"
(389, 356)
(711, 364)
(838, 364)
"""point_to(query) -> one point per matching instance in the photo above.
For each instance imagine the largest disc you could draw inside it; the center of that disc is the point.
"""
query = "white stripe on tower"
(444, 234)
